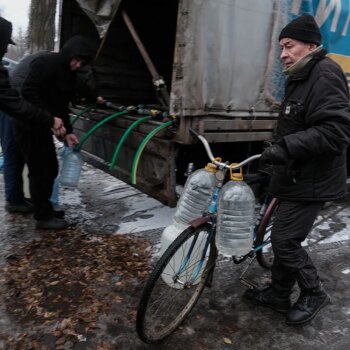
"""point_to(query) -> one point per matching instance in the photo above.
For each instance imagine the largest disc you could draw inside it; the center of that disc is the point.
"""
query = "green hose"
(93, 129)
(121, 142)
(81, 113)
(141, 147)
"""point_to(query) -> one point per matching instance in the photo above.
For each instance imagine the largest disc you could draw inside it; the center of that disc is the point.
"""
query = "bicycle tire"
(265, 255)
(164, 306)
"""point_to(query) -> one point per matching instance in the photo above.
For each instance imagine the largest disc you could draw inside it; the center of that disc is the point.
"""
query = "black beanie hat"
(6, 31)
(303, 28)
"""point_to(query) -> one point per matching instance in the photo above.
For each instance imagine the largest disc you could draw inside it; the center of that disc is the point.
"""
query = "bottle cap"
(210, 167)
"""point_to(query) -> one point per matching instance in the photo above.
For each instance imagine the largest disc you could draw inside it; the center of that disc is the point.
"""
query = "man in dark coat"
(47, 79)
(18, 108)
(10, 101)
(309, 165)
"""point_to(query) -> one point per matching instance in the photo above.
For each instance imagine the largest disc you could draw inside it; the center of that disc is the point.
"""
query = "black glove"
(274, 155)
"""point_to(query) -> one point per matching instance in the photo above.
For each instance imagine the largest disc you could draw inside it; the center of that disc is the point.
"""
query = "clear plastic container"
(194, 200)
(71, 169)
(1, 162)
(236, 219)
(169, 235)
(55, 193)
(64, 151)
(196, 195)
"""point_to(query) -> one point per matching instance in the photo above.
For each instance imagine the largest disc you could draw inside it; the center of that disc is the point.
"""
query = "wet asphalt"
(222, 319)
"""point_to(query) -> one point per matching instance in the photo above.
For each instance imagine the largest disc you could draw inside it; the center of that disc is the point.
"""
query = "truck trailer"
(171, 65)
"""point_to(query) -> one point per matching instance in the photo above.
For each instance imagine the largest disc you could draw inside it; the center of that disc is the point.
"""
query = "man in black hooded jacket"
(309, 166)
(20, 109)
(47, 79)
(10, 101)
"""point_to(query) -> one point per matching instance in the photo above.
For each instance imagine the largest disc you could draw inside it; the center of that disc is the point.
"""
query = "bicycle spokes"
(195, 257)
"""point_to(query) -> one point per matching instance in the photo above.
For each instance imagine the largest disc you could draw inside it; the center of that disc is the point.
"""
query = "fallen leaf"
(227, 340)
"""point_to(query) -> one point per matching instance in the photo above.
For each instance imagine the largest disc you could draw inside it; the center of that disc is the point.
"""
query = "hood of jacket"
(77, 46)
(5, 35)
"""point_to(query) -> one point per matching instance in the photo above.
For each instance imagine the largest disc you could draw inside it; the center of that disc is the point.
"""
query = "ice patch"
(70, 196)
(159, 217)
(346, 311)
(343, 235)
(316, 236)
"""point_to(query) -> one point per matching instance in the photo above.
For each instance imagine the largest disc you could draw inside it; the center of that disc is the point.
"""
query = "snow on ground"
(156, 215)
(332, 227)
(134, 211)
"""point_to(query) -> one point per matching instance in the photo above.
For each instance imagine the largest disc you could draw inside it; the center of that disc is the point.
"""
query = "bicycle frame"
(187, 259)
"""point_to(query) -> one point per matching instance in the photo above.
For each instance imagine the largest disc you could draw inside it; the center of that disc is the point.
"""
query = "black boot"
(59, 214)
(269, 297)
(309, 303)
(52, 223)
(23, 207)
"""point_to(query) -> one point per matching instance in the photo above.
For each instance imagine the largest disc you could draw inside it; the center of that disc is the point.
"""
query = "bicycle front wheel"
(264, 252)
(176, 283)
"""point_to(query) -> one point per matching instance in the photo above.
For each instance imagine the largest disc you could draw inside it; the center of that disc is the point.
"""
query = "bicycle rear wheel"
(264, 253)
(176, 283)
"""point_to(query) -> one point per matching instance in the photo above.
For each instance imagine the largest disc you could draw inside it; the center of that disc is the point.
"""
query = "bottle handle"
(238, 175)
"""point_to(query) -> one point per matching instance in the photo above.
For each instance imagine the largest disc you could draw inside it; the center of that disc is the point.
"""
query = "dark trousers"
(40, 155)
(13, 162)
(292, 264)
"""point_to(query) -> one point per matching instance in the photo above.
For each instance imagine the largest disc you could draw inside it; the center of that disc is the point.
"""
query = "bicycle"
(174, 286)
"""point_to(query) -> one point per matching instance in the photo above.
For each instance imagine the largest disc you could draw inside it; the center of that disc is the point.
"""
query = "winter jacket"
(45, 78)
(17, 107)
(314, 128)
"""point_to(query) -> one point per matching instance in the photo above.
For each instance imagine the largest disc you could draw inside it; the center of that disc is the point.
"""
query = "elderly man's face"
(293, 50)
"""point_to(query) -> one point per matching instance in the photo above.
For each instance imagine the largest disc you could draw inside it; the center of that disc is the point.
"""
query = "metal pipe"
(157, 79)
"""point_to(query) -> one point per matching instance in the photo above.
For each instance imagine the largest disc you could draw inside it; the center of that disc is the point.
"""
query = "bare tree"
(41, 29)
(16, 52)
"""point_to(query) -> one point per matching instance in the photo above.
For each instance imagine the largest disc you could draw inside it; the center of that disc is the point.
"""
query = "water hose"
(141, 148)
(121, 142)
(81, 113)
(93, 129)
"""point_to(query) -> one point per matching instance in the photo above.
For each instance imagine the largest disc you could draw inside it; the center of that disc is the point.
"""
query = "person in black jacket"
(47, 79)
(12, 104)
(309, 166)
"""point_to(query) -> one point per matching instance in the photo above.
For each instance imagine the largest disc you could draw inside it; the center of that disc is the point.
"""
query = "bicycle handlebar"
(212, 158)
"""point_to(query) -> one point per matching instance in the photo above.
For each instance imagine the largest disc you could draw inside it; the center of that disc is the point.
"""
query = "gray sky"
(16, 11)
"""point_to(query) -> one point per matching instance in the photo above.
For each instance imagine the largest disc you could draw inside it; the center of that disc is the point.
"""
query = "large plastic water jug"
(55, 193)
(196, 195)
(55, 190)
(236, 217)
(194, 200)
(71, 169)
(190, 272)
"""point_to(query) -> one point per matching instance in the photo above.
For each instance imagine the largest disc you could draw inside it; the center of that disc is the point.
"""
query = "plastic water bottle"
(190, 272)
(170, 233)
(1, 162)
(236, 218)
(71, 168)
(63, 152)
(194, 200)
(196, 195)
(55, 190)
(55, 193)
